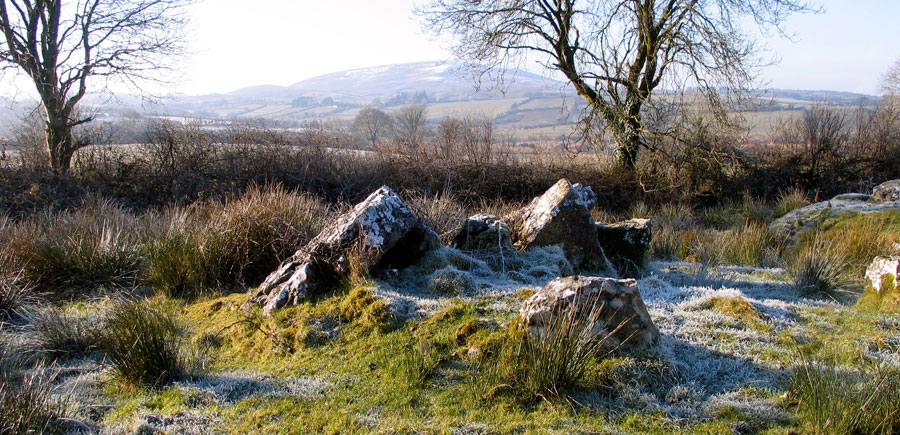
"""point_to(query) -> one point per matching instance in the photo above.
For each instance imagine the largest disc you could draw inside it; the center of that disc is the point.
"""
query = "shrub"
(547, 365)
(58, 334)
(147, 346)
(831, 399)
(818, 267)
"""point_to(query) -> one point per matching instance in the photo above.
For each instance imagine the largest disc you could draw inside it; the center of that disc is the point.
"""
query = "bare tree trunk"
(60, 141)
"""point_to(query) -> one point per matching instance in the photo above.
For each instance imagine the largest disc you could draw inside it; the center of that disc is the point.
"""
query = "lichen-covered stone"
(805, 218)
(561, 216)
(483, 232)
(881, 268)
(626, 244)
(377, 235)
(887, 191)
(621, 301)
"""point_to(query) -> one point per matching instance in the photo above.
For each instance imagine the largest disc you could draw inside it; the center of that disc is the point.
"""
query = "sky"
(241, 43)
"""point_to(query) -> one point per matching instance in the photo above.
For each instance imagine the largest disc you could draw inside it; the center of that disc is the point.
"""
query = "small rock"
(626, 244)
(887, 191)
(881, 268)
(483, 232)
(622, 305)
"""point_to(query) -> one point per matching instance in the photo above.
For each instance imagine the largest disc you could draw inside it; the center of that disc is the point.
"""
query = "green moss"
(886, 301)
(363, 308)
(738, 308)
(524, 293)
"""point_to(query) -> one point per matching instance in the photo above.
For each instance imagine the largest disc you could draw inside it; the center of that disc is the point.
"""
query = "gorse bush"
(147, 346)
(833, 399)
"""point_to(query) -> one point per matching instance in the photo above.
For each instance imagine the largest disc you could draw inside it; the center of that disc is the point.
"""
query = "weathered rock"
(887, 191)
(882, 269)
(377, 235)
(561, 216)
(626, 244)
(805, 218)
(622, 305)
(483, 232)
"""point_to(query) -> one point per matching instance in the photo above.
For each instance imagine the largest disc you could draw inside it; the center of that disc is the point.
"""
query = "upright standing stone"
(561, 216)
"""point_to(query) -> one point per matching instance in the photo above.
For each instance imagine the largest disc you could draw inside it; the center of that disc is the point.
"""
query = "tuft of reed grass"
(549, 364)
(28, 406)
(58, 334)
(147, 346)
(94, 246)
(14, 295)
(210, 245)
(832, 399)
(790, 200)
(752, 245)
(819, 267)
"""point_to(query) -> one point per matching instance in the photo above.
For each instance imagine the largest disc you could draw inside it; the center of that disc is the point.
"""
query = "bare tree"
(891, 82)
(409, 126)
(616, 53)
(60, 45)
(373, 125)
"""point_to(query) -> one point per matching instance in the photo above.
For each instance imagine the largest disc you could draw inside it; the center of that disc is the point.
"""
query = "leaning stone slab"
(882, 269)
(561, 216)
(887, 191)
(626, 244)
(622, 305)
(377, 235)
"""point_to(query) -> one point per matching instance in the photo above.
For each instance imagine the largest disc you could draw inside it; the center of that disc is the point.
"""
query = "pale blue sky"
(280, 42)
(239, 43)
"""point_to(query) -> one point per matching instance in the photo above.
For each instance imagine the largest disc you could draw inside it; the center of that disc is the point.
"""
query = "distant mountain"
(444, 80)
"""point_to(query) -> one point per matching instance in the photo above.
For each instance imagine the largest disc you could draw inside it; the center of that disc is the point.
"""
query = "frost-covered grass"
(413, 352)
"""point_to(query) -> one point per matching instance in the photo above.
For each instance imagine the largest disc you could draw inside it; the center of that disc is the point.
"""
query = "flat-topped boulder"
(626, 244)
(810, 216)
(377, 235)
(623, 311)
(561, 216)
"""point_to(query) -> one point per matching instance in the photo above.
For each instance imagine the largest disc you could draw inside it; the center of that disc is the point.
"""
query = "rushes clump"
(147, 345)
(58, 334)
(213, 245)
(790, 200)
(27, 405)
(94, 246)
(831, 399)
(548, 364)
(818, 268)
